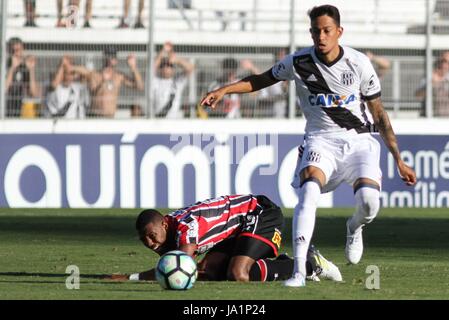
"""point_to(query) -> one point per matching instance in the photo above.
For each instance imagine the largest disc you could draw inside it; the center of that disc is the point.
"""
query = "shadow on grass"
(382, 232)
(51, 275)
(76, 228)
(329, 231)
(83, 277)
(30, 282)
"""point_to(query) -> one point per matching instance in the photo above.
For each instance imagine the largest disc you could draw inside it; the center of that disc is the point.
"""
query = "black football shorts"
(261, 233)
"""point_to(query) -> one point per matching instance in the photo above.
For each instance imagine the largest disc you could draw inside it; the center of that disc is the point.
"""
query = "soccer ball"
(176, 270)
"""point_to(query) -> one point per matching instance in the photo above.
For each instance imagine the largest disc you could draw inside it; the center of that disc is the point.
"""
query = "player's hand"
(406, 173)
(212, 98)
(117, 277)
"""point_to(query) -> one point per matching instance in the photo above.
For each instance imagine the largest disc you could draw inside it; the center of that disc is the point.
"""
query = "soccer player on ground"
(238, 233)
(339, 94)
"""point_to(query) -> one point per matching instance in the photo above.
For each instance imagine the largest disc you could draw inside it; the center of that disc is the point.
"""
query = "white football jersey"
(332, 96)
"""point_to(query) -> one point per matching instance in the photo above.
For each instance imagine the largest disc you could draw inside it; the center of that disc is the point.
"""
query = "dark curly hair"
(325, 10)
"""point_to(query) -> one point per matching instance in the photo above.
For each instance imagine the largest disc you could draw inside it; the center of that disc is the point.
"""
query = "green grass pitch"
(409, 246)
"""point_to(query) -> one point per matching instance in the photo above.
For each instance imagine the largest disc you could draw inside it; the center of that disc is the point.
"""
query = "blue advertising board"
(173, 170)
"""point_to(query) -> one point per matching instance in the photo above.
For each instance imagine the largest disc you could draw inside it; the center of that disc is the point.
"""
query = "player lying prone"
(239, 235)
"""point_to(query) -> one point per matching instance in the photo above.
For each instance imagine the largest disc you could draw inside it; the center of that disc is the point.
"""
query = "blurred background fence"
(91, 58)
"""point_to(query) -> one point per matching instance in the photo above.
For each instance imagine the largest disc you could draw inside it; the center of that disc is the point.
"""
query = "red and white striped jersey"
(209, 222)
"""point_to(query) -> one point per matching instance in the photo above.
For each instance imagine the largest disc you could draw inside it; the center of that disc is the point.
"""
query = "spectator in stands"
(230, 108)
(69, 97)
(30, 13)
(74, 4)
(168, 86)
(136, 111)
(273, 100)
(381, 64)
(105, 84)
(440, 85)
(20, 78)
(124, 20)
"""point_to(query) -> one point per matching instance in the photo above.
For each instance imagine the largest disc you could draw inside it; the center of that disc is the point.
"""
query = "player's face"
(325, 34)
(154, 236)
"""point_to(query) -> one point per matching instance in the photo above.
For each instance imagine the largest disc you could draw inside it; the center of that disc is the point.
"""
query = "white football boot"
(313, 277)
(354, 245)
(322, 267)
(297, 280)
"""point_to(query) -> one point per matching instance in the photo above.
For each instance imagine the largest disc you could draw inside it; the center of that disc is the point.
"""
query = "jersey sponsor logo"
(203, 249)
(313, 156)
(312, 78)
(277, 238)
(330, 100)
(177, 213)
(303, 59)
(279, 67)
(250, 219)
(347, 78)
(250, 222)
(371, 82)
(192, 232)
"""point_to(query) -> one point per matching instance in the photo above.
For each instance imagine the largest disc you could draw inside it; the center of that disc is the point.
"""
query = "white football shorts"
(342, 159)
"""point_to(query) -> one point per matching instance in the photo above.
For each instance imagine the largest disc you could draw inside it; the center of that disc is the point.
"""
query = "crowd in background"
(440, 87)
(76, 91)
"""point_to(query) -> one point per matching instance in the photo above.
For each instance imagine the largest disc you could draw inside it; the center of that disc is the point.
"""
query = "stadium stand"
(260, 16)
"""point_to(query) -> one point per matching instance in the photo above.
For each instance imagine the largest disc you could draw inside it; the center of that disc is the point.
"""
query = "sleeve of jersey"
(370, 84)
(188, 232)
(283, 70)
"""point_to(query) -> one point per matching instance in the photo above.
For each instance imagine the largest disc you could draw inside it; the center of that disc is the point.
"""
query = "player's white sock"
(304, 223)
(367, 206)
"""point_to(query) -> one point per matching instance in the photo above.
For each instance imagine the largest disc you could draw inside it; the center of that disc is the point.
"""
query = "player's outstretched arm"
(382, 121)
(150, 274)
(246, 85)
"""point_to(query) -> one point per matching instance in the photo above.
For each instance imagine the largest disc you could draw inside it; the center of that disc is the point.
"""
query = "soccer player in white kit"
(339, 94)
